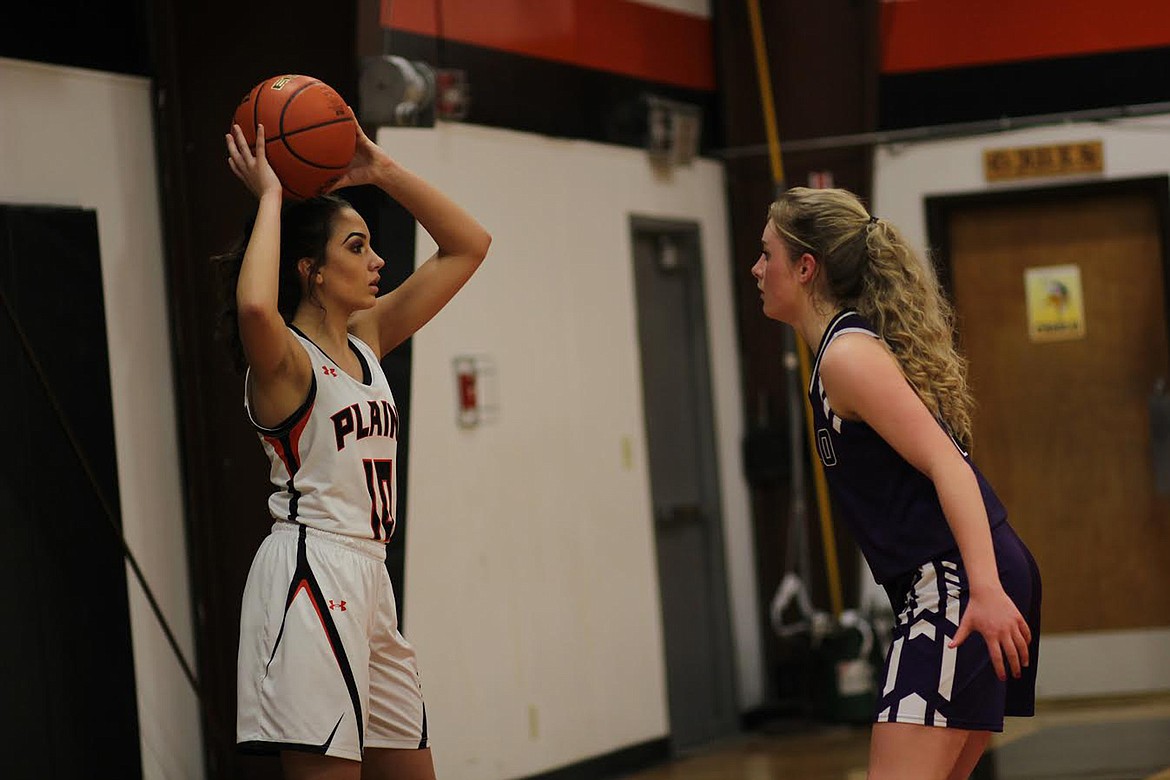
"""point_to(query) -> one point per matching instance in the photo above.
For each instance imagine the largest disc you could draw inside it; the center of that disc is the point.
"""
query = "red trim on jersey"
(277, 445)
(288, 446)
(294, 436)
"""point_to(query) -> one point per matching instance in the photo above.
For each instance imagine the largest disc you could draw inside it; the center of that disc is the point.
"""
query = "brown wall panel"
(823, 66)
(208, 56)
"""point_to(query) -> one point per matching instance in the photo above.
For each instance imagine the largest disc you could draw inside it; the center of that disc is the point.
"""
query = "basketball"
(309, 131)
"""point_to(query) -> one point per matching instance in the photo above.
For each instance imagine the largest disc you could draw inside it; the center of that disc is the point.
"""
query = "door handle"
(1159, 405)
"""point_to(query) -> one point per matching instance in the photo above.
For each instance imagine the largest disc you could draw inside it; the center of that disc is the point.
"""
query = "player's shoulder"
(851, 345)
(363, 327)
(856, 358)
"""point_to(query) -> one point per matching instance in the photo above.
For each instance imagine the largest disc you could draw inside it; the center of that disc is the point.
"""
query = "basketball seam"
(306, 161)
(256, 110)
(283, 136)
(294, 192)
(314, 127)
(291, 98)
(280, 136)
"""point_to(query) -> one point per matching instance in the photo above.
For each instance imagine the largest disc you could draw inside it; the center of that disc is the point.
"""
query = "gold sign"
(1056, 303)
(1026, 162)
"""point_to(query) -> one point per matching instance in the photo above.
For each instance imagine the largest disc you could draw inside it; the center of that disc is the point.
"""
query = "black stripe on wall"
(1024, 88)
(533, 95)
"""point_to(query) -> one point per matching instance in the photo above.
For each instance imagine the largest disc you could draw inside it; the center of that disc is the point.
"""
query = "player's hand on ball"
(251, 167)
(369, 161)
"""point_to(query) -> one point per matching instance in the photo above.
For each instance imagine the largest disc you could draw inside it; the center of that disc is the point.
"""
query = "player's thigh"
(397, 764)
(970, 755)
(311, 766)
(907, 751)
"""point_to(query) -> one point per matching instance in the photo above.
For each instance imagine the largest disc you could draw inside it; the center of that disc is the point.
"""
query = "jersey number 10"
(379, 480)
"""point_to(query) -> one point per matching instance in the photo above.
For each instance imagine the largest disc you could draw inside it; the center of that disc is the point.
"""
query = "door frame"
(700, 347)
(1067, 670)
(939, 208)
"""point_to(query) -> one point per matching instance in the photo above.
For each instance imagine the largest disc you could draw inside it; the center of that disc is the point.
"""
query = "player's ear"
(305, 268)
(807, 267)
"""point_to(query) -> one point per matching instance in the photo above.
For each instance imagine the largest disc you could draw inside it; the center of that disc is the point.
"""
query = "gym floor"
(1093, 739)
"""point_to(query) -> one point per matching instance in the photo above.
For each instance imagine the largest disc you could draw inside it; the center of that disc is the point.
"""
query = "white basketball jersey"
(333, 459)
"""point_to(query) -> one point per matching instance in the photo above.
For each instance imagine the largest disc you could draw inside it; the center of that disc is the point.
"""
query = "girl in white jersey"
(325, 677)
(892, 414)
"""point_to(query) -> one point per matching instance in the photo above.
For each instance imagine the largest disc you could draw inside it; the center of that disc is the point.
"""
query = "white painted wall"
(81, 138)
(532, 593)
(904, 175)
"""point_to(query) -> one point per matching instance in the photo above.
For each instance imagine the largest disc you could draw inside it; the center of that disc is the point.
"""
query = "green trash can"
(843, 671)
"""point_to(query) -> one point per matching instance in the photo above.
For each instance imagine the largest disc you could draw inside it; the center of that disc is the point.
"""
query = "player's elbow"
(482, 244)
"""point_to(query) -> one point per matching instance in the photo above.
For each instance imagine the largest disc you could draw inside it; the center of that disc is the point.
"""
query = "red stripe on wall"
(922, 35)
(618, 36)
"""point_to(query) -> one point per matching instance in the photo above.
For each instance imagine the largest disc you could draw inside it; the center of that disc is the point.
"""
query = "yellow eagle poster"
(1056, 303)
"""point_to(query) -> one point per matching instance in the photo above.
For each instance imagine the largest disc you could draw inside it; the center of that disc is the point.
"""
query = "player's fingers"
(259, 142)
(242, 145)
(233, 151)
(1026, 630)
(996, 660)
(1022, 642)
(1013, 656)
(361, 134)
(961, 634)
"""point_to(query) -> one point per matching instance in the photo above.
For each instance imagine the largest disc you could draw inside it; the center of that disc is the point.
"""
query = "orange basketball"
(309, 131)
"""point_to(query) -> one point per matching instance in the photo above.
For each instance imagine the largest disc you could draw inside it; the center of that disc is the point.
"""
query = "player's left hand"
(369, 161)
(251, 165)
(994, 616)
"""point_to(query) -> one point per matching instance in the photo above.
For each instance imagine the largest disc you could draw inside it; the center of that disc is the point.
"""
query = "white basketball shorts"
(322, 665)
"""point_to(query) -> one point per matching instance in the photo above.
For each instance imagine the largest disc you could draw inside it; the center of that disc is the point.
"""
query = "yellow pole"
(828, 539)
(765, 80)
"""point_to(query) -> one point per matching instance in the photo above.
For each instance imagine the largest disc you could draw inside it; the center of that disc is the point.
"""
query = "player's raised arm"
(462, 245)
(268, 347)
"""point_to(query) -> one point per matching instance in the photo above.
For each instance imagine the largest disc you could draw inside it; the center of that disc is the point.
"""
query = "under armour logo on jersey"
(340, 605)
(329, 371)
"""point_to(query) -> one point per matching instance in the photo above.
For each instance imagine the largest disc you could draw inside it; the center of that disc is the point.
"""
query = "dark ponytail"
(305, 227)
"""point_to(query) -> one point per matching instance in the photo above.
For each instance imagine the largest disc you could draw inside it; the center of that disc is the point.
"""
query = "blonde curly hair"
(867, 265)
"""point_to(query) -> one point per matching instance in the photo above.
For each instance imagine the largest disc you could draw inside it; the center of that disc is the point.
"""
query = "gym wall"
(531, 563)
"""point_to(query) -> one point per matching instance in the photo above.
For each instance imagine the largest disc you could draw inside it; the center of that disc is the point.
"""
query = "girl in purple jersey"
(325, 677)
(892, 412)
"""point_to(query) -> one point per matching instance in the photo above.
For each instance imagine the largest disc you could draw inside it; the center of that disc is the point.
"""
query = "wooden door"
(1062, 428)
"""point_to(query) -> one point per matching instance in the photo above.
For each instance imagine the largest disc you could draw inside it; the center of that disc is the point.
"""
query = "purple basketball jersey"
(892, 508)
